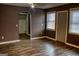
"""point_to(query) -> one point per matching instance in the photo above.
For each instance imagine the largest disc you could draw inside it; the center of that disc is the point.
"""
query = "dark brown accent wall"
(73, 39)
(51, 33)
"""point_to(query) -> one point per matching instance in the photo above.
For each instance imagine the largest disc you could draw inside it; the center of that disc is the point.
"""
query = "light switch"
(42, 24)
(2, 37)
(16, 25)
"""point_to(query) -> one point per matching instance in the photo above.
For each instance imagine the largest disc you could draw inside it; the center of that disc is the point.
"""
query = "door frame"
(27, 26)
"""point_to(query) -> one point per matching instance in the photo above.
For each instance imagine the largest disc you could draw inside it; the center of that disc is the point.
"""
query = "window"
(74, 22)
(51, 20)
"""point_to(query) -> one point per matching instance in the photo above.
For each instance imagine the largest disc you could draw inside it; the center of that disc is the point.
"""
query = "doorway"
(24, 26)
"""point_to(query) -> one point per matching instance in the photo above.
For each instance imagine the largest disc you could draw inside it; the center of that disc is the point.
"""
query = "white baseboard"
(7, 42)
(50, 38)
(38, 37)
(72, 45)
(44, 37)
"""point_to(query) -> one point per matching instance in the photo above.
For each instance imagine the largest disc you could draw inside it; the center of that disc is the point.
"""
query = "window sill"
(74, 33)
(50, 29)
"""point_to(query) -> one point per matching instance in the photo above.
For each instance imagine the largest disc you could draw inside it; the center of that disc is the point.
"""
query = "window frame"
(55, 21)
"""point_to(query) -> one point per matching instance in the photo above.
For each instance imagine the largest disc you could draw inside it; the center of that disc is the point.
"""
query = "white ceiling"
(37, 5)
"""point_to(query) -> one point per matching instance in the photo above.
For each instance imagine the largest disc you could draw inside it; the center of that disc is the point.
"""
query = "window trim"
(55, 20)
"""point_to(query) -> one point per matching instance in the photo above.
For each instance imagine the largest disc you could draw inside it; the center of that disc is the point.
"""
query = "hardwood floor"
(39, 47)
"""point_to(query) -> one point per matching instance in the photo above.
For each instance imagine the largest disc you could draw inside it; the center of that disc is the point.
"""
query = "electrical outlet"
(2, 37)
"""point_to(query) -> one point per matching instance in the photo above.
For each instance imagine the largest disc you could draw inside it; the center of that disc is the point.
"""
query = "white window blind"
(51, 20)
(74, 22)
